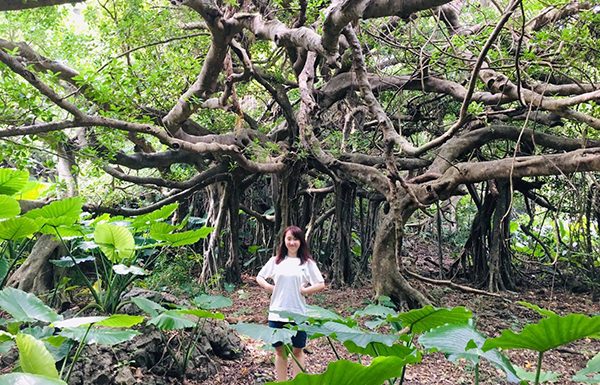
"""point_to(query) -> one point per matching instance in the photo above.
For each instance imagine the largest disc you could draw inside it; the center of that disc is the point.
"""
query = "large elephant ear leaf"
(349, 373)
(28, 379)
(157, 231)
(264, 333)
(549, 333)
(463, 341)
(64, 212)
(9, 207)
(116, 242)
(541, 311)
(429, 317)
(34, 358)
(26, 307)
(12, 181)
(17, 228)
(591, 373)
(145, 221)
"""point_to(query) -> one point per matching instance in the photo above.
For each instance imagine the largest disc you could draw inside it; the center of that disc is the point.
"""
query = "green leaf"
(172, 320)
(148, 306)
(100, 336)
(33, 190)
(12, 181)
(349, 373)
(264, 333)
(124, 270)
(78, 321)
(376, 349)
(64, 212)
(26, 307)
(463, 341)
(28, 379)
(200, 313)
(345, 333)
(9, 207)
(121, 321)
(17, 228)
(146, 220)
(592, 368)
(536, 308)
(548, 334)
(34, 358)
(530, 376)
(428, 317)
(178, 239)
(375, 311)
(314, 314)
(205, 301)
(116, 242)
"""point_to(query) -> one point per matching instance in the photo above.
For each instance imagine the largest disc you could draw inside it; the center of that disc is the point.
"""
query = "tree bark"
(36, 274)
(387, 279)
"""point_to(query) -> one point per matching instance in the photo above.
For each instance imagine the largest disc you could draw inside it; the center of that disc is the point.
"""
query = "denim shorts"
(298, 341)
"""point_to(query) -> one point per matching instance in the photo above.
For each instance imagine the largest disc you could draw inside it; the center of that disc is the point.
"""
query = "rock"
(124, 376)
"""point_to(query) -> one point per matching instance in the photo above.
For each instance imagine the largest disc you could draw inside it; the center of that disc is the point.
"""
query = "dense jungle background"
(442, 157)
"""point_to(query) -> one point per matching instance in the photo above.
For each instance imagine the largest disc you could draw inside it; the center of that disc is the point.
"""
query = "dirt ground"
(491, 315)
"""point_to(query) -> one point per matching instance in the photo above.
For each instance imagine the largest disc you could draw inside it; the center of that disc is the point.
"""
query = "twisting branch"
(32, 79)
(15, 5)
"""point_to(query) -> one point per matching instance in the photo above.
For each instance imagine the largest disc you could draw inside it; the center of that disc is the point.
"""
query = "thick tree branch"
(15, 5)
(582, 160)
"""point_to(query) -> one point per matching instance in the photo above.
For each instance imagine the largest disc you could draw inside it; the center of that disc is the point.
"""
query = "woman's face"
(291, 243)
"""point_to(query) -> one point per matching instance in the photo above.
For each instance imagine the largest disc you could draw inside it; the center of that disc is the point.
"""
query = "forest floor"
(492, 314)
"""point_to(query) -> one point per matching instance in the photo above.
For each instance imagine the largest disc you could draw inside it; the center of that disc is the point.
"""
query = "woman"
(295, 275)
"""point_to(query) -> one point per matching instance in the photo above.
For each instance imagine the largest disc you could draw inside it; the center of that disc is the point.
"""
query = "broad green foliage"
(17, 228)
(429, 317)
(183, 238)
(344, 333)
(549, 333)
(144, 222)
(116, 242)
(26, 307)
(59, 213)
(28, 379)
(34, 358)
(463, 341)
(9, 207)
(100, 336)
(591, 373)
(264, 333)
(148, 306)
(531, 376)
(349, 373)
(205, 301)
(12, 181)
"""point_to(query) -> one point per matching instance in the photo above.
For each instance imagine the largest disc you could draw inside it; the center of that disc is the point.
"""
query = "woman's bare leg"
(280, 363)
(299, 354)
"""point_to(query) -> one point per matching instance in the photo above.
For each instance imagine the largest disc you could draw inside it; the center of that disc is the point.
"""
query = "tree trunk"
(232, 266)
(216, 215)
(387, 279)
(344, 207)
(36, 274)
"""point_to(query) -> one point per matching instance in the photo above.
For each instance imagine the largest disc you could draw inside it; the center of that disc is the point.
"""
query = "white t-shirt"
(289, 276)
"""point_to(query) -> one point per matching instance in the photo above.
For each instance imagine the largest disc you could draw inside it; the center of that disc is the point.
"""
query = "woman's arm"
(264, 284)
(313, 288)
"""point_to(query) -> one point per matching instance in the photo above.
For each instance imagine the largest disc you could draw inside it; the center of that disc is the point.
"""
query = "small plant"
(57, 335)
(180, 319)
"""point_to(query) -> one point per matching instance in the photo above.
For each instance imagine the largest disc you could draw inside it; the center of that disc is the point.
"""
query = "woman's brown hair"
(303, 251)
